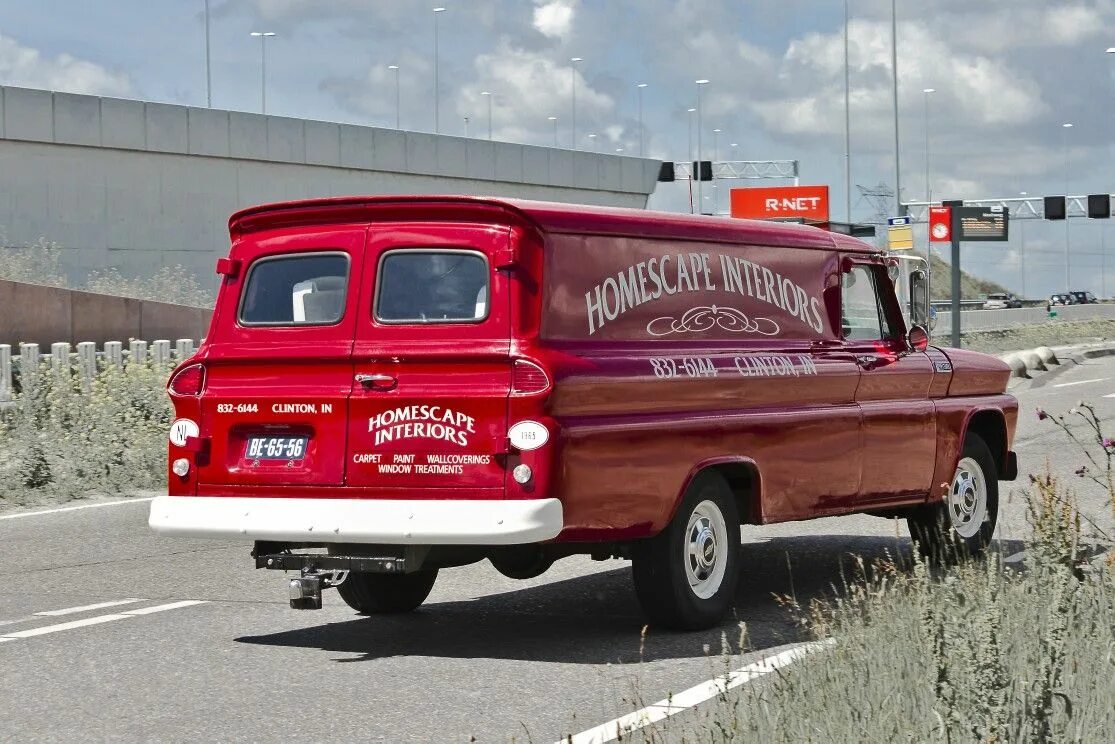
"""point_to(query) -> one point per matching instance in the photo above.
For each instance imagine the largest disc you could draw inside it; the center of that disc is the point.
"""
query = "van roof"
(551, 217)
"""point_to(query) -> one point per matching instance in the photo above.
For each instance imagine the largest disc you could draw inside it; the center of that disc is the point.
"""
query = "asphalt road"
(486, 657)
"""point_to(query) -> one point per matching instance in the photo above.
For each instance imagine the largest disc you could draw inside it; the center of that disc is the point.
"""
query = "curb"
(1051, 364)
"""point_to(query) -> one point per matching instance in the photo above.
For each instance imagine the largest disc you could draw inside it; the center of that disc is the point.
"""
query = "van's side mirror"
(918, 338)
(919, 298)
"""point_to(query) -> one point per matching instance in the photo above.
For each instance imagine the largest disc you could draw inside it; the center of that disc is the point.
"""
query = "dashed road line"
(164, 607)
(1078, 382)
(98, 619)
(21, 515)
(620, 727)
(87, 608)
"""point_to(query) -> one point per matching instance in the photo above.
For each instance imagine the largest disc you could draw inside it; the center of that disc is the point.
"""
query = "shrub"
(63, 437)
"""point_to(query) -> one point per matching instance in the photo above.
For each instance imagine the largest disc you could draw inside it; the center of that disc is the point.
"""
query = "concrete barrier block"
(1017, 366)
(1, 112)
(1033, 361)
(123, 124)
(481, 159)
(389, 150)
(167, 128)
(536, 165)
(421, 153)
(137, 352)
(323, 143)
(286, 140)
(631, 175)
(208, 132)
(114, 354)
(586, 170)
(357, 147)
(28, 115)
(611, 173)
(508, 162)
(77, 119)
(247, 135)
(5, 373)
(452, 157)
(1047, 355)
(561, 168)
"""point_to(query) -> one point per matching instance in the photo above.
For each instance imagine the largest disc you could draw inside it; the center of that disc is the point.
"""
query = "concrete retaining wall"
(30, 313)
(995, 320)
(138, 186)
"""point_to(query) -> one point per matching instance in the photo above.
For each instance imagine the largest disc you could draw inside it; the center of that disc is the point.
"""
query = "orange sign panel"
(781, 202)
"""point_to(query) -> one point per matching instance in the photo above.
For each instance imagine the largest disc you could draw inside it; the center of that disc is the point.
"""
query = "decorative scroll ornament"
(701, 319)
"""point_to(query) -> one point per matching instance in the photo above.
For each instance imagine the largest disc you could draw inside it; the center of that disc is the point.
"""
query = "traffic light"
(704, 172)
(1054, 207)
(666, 172)
(1099, 206)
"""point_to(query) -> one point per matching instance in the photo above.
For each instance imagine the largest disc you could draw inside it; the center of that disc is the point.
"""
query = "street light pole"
(263, 37)
(1065, 150)
(488, 94)
(437, 73)
(715, 157)
(700, 202)
(642, 140)
(208, 63)
(928, 191)
(1022, 249)
(692, 160)
(894, 72)
(398, 97)
(592, 136)
(554, 120)
(847, 127)
(573, 71)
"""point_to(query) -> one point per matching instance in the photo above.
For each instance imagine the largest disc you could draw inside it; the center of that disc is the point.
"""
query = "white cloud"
(554, 18)
(26, 67)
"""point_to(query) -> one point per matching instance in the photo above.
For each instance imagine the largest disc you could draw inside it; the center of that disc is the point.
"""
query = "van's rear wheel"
(685, 577)
(961, 525)
(380, 594)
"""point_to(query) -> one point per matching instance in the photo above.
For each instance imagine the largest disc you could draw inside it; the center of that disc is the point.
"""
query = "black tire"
(659, 564)
(382, 594)
(933, 527)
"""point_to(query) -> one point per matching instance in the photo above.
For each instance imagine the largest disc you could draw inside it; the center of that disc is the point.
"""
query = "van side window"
(301, 289)
(863, 315)
(432, 286)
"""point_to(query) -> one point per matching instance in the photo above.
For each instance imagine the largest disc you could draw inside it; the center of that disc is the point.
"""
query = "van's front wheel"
(381, 594)
(685, 577)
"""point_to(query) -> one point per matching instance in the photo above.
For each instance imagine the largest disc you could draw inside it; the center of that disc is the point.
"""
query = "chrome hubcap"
(705, 557)
(967, 502)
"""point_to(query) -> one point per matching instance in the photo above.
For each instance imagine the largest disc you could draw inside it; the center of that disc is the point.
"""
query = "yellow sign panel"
(900, 238)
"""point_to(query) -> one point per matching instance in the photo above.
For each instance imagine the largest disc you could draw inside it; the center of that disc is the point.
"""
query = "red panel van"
(396, 385)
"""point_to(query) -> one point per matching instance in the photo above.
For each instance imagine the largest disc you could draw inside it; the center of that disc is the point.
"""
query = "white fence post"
(114, 354)
(5, 373)
(184, 349)
(137, 352)
(87, 363)
(160, 351)
(60, 357)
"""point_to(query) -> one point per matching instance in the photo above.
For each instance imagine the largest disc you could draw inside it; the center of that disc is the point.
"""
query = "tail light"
(527, 378)
(188, 380)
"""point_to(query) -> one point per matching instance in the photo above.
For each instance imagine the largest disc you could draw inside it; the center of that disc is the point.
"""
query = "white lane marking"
(1016, 557)
(64, 626)
(86, 608)
(1078, 382)
(619, 727)
(98, 619)
(164, 607)
(21, 515)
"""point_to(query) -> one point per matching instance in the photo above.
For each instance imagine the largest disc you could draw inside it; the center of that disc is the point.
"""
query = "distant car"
(1084, 298)
(1001, 301)
(1062, 299)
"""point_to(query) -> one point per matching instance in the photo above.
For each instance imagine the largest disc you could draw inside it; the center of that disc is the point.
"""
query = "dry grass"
(1052, 333)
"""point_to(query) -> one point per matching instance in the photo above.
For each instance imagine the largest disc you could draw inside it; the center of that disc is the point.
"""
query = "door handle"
(382, 382)
(867, 361)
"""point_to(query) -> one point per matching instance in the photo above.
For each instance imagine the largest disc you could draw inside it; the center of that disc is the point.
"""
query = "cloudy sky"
(1007, 76)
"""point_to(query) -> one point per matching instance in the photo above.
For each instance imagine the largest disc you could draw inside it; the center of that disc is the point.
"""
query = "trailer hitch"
(305, 591)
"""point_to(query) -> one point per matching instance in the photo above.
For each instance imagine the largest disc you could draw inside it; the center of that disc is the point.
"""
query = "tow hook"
(305, 591)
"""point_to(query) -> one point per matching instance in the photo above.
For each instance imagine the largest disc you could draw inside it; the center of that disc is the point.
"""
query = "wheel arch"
(991, 426)
(743, 478)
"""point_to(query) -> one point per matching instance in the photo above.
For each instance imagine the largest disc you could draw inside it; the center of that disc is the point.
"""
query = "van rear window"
(304, 289)
(430, 286)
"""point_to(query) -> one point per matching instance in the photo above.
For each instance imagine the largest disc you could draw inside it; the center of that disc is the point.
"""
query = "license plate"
(276, 448)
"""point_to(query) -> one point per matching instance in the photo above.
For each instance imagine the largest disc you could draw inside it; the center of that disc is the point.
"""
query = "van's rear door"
(279, 367)
(431, 361)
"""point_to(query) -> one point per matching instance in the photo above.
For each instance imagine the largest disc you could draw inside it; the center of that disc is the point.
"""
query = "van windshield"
(305, 289)
(427, 286)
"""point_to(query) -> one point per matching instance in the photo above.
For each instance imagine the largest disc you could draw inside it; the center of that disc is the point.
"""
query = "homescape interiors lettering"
(422, 422)
(671, 274)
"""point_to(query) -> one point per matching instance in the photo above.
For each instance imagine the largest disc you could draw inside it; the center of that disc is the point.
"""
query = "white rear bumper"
(389, 522)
